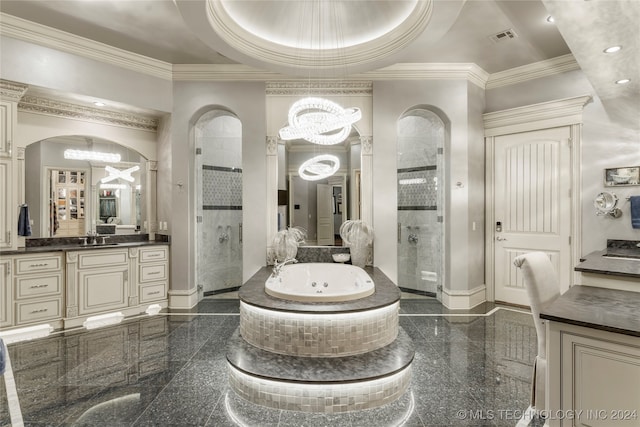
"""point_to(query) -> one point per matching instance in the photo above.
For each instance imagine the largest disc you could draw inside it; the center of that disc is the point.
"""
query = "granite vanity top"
(599, 262)
(79, 247)
(598, 308)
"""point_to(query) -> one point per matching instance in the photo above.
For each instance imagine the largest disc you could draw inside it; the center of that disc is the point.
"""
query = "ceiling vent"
(503, 36)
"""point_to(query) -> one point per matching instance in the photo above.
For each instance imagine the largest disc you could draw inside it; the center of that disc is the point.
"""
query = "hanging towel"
(24, 222)
(635, 211)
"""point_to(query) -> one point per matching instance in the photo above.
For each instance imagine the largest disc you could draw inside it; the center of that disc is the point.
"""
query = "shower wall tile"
(221, 187)
(418, 195)
(220, 262)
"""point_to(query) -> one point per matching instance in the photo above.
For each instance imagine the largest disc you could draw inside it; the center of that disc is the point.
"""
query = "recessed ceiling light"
(623, 81)
(550, 19)
(99, 104)
(612, 49)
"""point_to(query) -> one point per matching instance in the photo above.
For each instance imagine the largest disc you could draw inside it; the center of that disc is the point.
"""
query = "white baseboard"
(183, 299)
(464, 300)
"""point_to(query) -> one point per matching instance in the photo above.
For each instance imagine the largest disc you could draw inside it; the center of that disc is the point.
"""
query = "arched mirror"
(76, 184)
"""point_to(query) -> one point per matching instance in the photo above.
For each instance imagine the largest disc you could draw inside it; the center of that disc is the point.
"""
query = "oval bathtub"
(320, 282)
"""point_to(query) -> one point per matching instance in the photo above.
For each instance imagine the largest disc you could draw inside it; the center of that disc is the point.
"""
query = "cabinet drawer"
(28, 312)
(28, 287)
(155, 254)
(153, 272)
(153, 292)
(102, 258)
(38, 264)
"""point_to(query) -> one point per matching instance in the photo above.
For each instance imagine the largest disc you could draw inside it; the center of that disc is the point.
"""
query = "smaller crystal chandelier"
(91, 155)
(319, 121)
(319, 167)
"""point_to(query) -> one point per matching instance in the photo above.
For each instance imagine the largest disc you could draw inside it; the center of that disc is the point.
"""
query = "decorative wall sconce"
(606, 203)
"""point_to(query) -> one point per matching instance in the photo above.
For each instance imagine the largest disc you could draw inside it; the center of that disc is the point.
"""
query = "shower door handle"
(240, 233)
(399, 233)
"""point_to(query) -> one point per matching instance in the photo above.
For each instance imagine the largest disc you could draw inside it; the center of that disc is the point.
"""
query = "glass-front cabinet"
(67, 203)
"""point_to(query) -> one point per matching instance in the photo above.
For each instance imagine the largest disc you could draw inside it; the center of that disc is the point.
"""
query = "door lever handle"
(500, 239)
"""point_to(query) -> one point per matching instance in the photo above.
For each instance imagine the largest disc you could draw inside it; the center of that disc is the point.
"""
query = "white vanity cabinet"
(593, 358)
(595, 373)
(6, 205)
(153, 273)
(8, 111)
(38, 288)
(102, 279)
(6, 294)
(64, 288)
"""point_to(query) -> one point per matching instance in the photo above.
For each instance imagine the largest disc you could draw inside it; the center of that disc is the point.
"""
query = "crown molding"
(430, 71)
(317, 88)
(560, 112)
(548, 67)
(22, 29)
(222, 72)
(50, 107)
(12, 91)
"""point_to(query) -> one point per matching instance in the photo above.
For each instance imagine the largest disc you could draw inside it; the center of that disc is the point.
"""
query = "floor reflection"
(164, 370)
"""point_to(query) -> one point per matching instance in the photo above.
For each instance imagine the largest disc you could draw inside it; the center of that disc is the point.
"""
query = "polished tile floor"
(170, 370)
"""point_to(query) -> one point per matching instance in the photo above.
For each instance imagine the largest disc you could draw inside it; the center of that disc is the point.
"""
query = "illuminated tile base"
(319, 334)
(327, 398)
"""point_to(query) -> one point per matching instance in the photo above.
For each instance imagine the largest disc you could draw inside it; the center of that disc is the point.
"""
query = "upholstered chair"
(541, 283)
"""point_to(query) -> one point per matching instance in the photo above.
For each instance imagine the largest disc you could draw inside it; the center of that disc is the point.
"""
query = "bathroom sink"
(98, 245)
(341, 257)
(628, 257)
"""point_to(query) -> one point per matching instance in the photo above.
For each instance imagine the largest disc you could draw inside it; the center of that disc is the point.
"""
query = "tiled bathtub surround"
(325, 398)
(319, 335)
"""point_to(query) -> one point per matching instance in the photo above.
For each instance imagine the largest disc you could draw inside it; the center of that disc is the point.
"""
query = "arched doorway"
(420, 163)
(218, 143)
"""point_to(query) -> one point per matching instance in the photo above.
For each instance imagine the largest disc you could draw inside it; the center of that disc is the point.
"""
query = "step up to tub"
(319, 384)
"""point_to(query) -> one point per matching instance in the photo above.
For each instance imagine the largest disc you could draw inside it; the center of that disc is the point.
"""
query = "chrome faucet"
(92, 237)
(278, 266)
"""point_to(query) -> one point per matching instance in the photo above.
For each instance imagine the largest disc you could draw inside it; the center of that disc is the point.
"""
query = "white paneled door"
(532, 206)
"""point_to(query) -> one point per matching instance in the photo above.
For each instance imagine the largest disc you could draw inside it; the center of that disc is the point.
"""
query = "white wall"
(247, 102)
(606, 143)
(463, 163)
(67, 73)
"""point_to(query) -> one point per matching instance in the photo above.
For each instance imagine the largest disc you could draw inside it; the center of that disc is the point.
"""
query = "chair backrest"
(541, 283)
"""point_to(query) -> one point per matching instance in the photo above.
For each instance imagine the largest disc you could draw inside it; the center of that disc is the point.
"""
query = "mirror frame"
(280, 95)
(150, 171)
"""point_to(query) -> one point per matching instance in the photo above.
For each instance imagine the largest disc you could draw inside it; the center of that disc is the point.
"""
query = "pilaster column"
(272, 194)
(366, 179)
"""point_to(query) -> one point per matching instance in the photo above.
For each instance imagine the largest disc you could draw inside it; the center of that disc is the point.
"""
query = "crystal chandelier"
(319, 167)
(319, 121)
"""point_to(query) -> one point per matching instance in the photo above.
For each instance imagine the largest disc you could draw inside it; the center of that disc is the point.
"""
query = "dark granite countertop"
(252, 292)
(78, 247)
(598, 308)
(597, 262)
